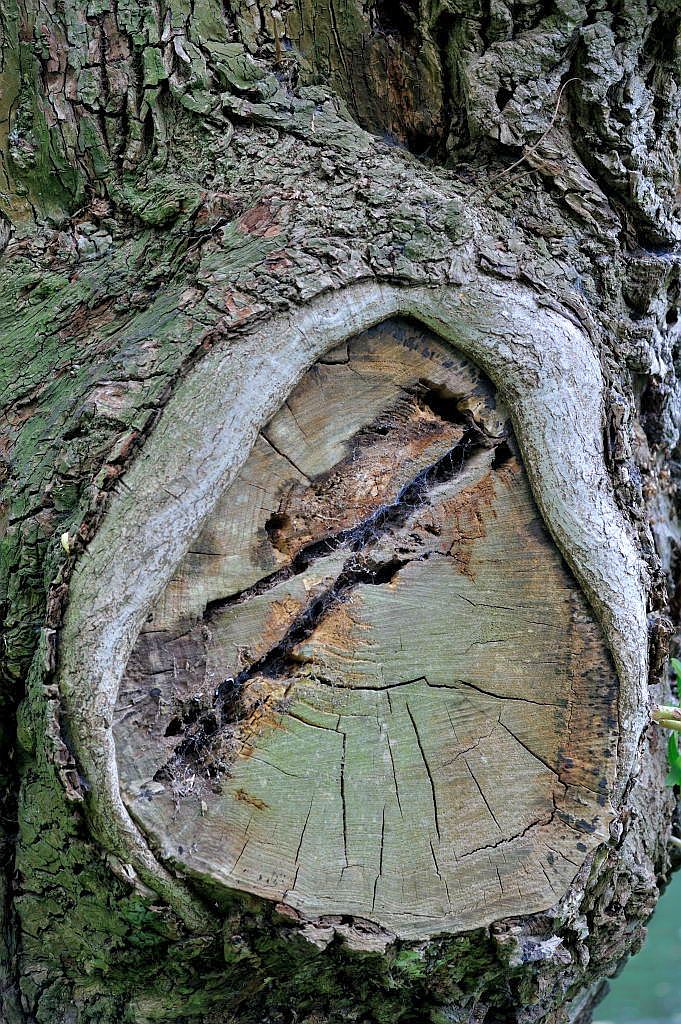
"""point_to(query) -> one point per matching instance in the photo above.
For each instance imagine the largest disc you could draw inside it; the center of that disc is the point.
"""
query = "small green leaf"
(676, 666)
(673, 750)
(674, 756)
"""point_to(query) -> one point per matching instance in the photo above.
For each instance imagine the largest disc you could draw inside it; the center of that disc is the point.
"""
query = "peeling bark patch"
(372, 687)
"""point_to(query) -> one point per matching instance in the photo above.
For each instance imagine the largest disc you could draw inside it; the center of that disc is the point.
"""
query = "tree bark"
(340, 506)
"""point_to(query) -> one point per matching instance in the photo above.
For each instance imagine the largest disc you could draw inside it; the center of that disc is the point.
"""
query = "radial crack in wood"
(373, 687)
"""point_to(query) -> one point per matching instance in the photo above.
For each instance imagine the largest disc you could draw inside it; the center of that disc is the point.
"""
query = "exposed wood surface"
(373, 687)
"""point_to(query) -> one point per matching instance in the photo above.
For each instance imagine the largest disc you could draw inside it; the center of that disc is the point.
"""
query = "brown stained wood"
(373, 687)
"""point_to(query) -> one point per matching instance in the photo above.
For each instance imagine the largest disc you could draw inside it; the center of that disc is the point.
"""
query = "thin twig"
(535, 146)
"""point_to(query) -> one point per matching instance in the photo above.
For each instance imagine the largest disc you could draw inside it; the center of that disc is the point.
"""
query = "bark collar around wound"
(545, 370)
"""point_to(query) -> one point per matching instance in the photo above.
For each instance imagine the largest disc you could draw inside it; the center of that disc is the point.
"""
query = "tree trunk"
(340, 509)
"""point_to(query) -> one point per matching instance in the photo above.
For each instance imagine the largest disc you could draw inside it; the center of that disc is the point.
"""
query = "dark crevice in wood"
(344, 801)
(380, 860)
(284, 456)
(529, 750)
(473, 746)
(503, 453)
(439, 874)
(394, 771)
(431, 781)
(519, 835)
(395, 18)
(387, 687)
(302, 834)
(482, 795)
(455, 132)
(382, 521)
(279, 661)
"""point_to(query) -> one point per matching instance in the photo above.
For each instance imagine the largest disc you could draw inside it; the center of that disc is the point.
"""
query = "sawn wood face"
(373, 687)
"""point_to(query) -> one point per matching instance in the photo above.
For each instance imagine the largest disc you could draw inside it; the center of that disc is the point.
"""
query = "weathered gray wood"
(434, 752)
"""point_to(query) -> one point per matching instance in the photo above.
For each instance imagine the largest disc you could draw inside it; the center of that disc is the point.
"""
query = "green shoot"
(669, 717)
(674, 756)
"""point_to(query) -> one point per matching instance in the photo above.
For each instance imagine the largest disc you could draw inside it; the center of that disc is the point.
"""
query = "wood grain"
(372, 687)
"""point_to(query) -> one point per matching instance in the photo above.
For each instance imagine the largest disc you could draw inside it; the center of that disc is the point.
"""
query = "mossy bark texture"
(201, 202)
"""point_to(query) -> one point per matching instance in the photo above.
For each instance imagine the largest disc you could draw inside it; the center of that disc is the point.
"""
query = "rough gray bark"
(198, 202)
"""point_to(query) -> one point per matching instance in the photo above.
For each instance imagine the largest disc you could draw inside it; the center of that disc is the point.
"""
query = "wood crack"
(429, 773)
(387, 687)
(380, 860)
(394, 771)
(344, 802)
(482, 795)
(357, 569)
(531, 752)
(443, 878)
(265, 436)
(383, 521)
